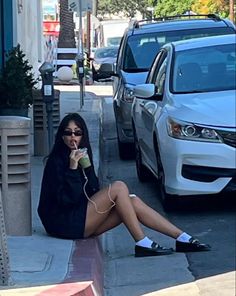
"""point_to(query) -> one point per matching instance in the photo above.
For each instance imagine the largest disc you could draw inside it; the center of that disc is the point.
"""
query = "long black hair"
(59, 145)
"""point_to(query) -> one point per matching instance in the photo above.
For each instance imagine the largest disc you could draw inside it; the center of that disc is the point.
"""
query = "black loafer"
(155, 250)
(193, 246)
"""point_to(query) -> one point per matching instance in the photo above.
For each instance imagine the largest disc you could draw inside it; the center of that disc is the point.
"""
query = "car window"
(155, 66)
(106, 52)
(160, 75)
(141, 49)
(113, 41)
(211, 68)
(196, 33)
(121, 51)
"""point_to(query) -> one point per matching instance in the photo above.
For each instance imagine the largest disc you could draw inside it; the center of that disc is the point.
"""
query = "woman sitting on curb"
(72, 206)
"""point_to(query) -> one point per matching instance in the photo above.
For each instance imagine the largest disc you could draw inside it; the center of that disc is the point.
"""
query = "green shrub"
(16, 81)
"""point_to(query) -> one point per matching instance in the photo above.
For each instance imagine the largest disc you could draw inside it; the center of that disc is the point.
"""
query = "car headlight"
(192, 132)
(128, 94)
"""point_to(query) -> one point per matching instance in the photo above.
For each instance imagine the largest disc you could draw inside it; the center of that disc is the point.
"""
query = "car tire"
(126, 150)
(94, 75)
(143, 173)
(168, 201)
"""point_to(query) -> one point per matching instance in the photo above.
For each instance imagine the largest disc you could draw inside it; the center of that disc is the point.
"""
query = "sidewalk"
(43, 265)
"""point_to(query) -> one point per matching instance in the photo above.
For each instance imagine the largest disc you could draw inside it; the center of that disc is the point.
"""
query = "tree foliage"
(220, 7)
(128, 8)
(163, 7)
(171, 7)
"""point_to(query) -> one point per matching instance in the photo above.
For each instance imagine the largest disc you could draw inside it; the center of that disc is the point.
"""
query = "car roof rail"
(135, 24)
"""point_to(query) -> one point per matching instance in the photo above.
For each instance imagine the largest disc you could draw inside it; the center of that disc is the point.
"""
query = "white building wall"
(28, 30)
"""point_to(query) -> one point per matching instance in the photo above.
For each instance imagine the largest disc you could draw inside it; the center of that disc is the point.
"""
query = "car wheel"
(143, 173)
(94, 75)
(167, 200)
(126, 150)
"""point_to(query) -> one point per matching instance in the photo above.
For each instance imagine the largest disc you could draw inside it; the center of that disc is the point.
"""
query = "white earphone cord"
(93, 202)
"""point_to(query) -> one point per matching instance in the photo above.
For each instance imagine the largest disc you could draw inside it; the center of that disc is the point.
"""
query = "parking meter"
(80, 68)
(46, 70)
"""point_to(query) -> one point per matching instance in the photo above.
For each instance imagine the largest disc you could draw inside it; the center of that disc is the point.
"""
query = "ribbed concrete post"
(15, 174)
(40, 121)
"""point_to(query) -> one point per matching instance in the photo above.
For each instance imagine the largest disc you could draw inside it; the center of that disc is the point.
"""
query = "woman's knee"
(119, 186)
(137, 202)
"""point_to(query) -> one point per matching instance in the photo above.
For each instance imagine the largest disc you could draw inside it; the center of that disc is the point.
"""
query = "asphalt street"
(211, 219)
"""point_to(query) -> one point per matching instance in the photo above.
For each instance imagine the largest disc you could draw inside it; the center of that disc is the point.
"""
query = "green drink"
(84, 161)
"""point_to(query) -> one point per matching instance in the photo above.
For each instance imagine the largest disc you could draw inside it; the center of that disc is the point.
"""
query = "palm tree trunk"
(67, 29)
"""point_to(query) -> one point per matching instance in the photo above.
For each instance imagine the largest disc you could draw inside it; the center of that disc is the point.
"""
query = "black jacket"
(63, 203)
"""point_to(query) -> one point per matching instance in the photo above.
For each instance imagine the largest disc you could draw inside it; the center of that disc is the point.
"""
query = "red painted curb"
(86, 264)
(70, 289)
(85, 271)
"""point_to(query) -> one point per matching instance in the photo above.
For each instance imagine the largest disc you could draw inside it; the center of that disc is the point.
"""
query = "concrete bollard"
(40, 122)
(15, 174)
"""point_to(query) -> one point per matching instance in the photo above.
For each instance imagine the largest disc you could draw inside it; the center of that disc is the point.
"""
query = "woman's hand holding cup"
(79, 156)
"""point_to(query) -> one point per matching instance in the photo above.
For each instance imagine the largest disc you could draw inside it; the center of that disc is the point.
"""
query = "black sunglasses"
(69, 133)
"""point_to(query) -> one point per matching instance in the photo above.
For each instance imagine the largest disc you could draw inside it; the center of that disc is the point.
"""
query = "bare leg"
(152, 219)
(146, 215)
(112, 221)
(124, 210)
(131, 211)
(99, 223)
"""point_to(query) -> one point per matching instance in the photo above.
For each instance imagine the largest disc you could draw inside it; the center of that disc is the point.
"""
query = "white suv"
(184, 118)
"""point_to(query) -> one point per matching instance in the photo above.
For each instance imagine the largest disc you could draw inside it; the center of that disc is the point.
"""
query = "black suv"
(138, 48)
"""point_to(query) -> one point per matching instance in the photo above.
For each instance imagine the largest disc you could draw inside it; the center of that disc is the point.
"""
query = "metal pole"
(81, 93)
(81, 51)
(50, 124)
(88, 35)
(5, 279)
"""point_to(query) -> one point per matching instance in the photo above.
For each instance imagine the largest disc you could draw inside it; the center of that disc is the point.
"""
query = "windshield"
(211, 68)
(141, 49)
(101, 53)
(113, 41)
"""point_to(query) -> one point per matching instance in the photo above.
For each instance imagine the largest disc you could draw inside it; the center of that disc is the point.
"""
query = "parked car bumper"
(195, 168)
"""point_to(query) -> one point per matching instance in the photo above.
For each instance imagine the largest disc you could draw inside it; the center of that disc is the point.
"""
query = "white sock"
(184, 237)
(145, 242)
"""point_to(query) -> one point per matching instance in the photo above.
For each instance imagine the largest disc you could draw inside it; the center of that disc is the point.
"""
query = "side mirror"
(144, 90)
(147, 91)
(107, 68)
